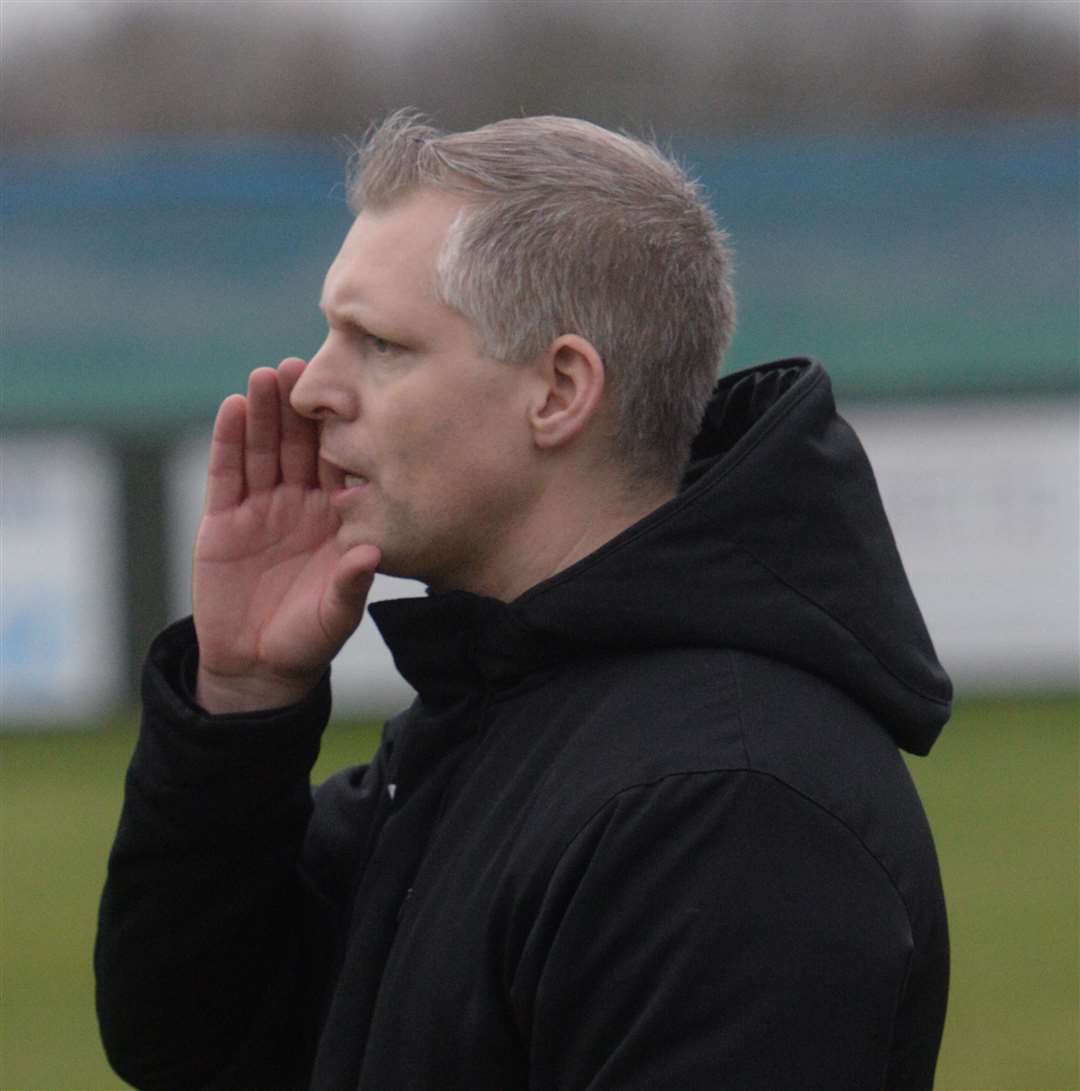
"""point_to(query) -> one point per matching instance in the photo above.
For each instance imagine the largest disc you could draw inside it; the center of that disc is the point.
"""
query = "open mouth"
(343, 485)
(334, 477)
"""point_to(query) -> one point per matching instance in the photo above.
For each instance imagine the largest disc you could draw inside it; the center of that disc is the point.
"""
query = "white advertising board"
(984, 499)
(62, 642)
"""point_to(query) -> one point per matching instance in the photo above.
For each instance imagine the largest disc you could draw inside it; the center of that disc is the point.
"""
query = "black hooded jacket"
(645, 827)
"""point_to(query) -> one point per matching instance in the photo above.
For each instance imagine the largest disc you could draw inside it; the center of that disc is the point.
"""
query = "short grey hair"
(572, 228)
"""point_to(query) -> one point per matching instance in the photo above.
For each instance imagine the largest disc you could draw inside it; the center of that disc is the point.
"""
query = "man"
(646, 824)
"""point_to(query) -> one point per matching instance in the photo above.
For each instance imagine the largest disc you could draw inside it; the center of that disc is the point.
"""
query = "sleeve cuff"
(170, 670)
(195, 741)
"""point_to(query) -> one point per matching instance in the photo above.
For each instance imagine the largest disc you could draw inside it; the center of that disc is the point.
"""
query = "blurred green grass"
(1001, 790)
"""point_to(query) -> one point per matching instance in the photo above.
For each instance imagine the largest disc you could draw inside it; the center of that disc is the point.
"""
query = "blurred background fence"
(933, 272)
(900, 182)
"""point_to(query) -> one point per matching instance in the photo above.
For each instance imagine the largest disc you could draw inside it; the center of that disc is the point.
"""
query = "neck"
(572, 518)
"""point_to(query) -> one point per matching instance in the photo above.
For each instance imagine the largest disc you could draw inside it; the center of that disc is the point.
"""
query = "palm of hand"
(274, 596)
(261, 574)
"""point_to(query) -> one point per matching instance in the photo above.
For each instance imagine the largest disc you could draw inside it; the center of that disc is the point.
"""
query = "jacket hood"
(777, 544)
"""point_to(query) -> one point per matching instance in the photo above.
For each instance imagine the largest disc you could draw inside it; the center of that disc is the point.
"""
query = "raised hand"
(274, 596)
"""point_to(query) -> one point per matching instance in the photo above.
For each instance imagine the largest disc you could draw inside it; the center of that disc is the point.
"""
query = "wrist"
(221, 695)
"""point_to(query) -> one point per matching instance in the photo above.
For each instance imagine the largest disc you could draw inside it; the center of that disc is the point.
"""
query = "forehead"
(391, 252)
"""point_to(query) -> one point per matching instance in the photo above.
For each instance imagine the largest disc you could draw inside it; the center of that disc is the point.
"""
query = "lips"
(335, 479)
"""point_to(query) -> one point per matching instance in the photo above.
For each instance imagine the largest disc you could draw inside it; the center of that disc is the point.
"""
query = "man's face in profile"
(424, 439)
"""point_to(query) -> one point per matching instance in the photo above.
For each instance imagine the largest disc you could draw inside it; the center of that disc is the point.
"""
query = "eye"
(379, 345)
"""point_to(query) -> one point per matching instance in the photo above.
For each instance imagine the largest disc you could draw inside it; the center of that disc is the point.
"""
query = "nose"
(322, 390)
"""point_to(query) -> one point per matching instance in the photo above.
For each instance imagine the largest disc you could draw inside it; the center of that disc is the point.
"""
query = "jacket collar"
(449, 645)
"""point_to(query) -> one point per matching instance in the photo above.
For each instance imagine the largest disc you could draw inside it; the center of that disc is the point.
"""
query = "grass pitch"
(1002, 790)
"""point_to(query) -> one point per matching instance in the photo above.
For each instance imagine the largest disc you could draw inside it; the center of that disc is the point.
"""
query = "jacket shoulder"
(744, 830)
(635, 720)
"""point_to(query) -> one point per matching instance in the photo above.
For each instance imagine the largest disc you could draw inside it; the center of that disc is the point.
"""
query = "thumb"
(346, 594)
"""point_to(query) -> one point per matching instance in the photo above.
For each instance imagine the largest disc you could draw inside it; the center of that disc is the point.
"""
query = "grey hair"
(572, 228)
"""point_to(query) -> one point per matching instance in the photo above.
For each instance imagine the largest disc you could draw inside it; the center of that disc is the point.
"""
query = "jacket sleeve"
(213, 949)
(714, 931)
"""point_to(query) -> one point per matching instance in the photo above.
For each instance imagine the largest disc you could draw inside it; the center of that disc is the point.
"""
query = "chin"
(412, 567)
(403, 567)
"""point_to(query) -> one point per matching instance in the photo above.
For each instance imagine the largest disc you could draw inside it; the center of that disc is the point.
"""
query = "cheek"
(424, 459)
(457, 430)
(451, 441)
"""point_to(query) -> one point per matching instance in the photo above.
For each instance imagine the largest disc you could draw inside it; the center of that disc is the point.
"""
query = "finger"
(262, 446)
(299, 436)
(346, 596)
(225, 476)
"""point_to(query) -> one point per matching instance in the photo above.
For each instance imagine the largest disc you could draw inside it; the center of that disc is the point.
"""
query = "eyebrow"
(346, 314)
(379, 326)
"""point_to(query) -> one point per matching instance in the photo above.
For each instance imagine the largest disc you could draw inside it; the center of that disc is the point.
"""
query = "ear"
(571, 392)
